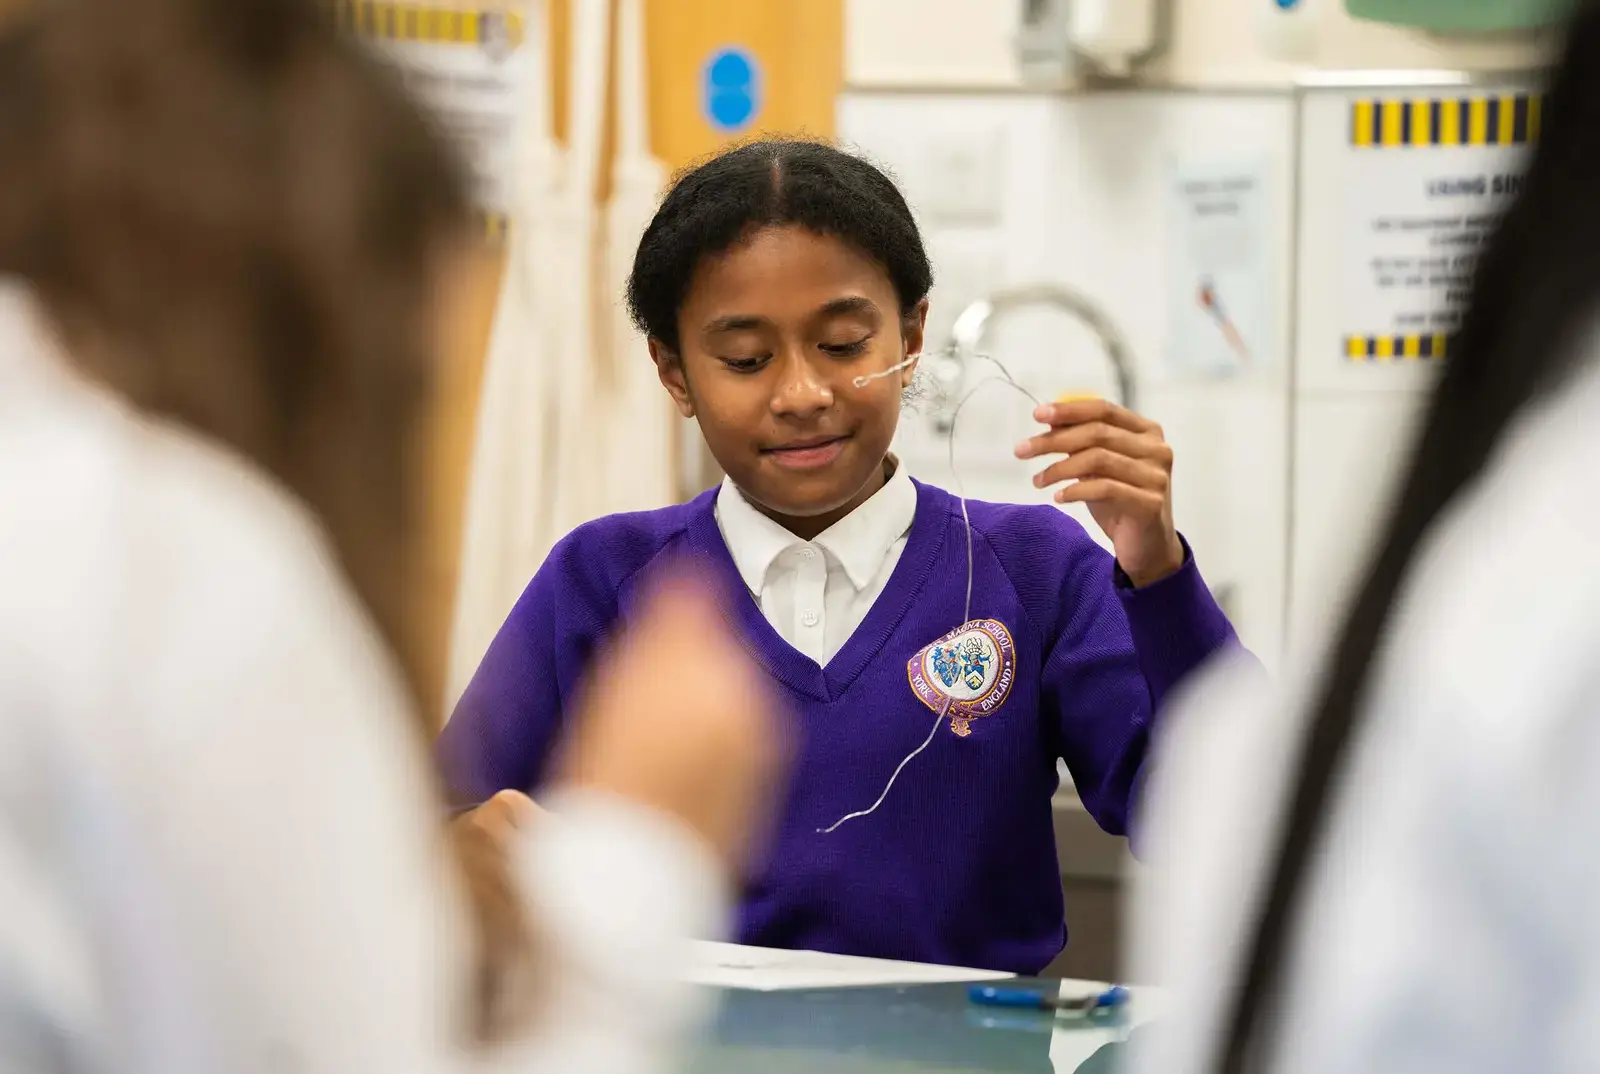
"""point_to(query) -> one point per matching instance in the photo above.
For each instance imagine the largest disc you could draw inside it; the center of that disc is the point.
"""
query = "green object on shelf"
(1464, 16)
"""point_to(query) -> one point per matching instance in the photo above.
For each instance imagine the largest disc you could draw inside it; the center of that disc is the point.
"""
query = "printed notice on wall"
(469, 65)
(1219, 285)
(1425, 185)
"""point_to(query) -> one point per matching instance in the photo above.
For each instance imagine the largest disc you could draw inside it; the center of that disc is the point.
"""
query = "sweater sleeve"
(509, 719)
(1111, 655)
(1176, 625)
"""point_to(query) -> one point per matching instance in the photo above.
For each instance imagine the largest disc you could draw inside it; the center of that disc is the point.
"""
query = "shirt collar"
(753, 539)
(858, 542)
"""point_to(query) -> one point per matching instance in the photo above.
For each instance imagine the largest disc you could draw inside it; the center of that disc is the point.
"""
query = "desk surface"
(901, 1030)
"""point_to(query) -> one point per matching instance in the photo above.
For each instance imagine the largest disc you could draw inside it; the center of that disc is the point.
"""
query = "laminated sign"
(1426, 180)
(469, 65)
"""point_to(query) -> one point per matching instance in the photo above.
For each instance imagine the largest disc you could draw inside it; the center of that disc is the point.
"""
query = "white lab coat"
(1452, 922)
(220, 848)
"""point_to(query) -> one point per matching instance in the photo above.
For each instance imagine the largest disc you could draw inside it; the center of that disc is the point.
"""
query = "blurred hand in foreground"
(677, 718)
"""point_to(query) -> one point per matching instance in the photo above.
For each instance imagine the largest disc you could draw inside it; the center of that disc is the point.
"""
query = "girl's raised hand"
(1120, 464)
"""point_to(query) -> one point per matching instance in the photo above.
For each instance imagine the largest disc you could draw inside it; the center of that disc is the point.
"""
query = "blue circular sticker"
(731, 90)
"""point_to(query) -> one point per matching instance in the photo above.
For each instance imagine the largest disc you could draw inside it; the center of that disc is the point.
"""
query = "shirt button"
(810, 618)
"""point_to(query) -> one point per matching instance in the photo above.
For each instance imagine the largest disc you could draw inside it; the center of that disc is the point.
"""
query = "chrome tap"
(972, 328)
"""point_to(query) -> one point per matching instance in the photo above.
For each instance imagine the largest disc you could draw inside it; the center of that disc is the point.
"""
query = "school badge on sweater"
(967, 674)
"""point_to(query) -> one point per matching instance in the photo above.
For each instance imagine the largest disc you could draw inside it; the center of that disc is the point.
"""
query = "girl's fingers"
(1078, 438)
(1080, 411)
(1107, 490)
(1099, 462)
(1073, 438)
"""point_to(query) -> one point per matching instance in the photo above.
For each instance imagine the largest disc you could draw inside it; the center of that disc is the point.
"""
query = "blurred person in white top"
(1399, 872)
(227, 243)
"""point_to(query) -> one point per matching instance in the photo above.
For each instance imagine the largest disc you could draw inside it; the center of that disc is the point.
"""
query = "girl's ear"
(669, 367)
(912, 330)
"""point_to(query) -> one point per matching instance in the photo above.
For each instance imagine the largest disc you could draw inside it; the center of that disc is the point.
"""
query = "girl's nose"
(802, 392)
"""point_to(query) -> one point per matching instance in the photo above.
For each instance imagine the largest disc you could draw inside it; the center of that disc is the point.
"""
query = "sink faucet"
(975, 323)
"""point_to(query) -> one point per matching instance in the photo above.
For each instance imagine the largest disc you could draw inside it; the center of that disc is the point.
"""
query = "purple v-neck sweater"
(958, 866)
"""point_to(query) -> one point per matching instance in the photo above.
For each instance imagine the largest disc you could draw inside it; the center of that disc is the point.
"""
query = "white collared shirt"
(815, 593)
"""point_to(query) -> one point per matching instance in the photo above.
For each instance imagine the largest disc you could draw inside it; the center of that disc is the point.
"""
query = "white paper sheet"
(760, 969)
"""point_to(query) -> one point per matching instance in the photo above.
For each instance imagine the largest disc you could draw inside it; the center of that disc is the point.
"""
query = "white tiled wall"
(1349, 448)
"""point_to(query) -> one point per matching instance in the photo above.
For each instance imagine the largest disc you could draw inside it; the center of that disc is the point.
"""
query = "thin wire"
(1006, 373)
(955, 474)
(863, 381)
(938, 721)
(966, 520)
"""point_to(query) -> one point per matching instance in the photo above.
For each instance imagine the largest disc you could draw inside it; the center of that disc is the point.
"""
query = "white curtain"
(572, 424)
(638, 420)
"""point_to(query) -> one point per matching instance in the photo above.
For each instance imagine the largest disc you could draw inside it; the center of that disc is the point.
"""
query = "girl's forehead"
(785, 263)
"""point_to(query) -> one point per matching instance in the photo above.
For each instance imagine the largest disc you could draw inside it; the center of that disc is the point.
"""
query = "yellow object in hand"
(1076, 397)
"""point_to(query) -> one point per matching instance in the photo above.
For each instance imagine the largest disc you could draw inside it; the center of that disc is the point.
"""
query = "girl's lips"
(810, 457)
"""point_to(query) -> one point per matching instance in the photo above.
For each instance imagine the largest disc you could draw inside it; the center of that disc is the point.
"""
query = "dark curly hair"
(715, 205)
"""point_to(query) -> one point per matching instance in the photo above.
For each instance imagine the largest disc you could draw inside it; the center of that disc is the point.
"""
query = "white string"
(939, 720)
(955, 474)
(966, 521)
(863, 381)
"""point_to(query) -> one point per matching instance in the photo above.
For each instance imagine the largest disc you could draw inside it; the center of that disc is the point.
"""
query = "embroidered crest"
(971, 670)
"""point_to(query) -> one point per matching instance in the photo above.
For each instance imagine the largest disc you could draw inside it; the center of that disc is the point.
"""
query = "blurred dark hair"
(1533, 298)
(718, 203)
(237, 219)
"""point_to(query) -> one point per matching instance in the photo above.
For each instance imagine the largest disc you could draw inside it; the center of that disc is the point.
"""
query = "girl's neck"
(810, 527)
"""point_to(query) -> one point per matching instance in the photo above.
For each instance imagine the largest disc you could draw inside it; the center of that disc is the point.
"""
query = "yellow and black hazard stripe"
(393, 20)
(1510, 119)
(1415, 348)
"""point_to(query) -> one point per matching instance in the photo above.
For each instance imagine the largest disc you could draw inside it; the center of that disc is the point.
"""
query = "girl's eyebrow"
(850, 305)
(738, 322)
(839, 307)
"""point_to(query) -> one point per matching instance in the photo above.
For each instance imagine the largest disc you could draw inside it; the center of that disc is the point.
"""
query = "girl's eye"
(847, 350)
(745, 365)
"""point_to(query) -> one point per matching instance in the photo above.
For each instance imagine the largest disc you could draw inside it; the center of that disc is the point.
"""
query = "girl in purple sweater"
(772, 278)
